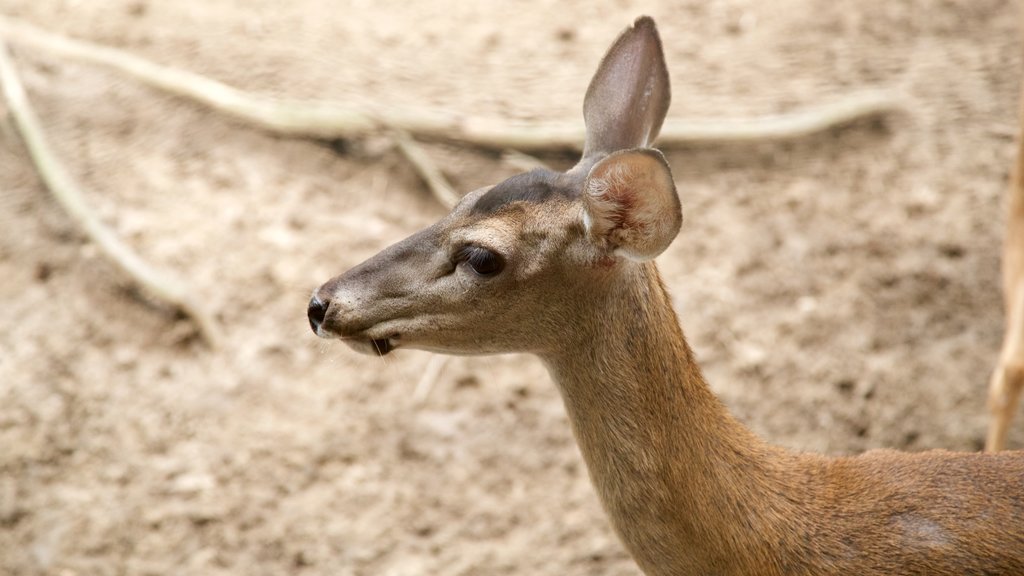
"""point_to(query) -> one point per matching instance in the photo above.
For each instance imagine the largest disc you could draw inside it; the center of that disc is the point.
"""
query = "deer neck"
(683, 482)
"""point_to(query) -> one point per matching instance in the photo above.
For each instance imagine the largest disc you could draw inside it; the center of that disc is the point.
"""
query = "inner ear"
(631, 206)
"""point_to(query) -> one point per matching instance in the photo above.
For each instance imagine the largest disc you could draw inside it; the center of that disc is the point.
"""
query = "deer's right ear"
(629, 95)
(630, 204)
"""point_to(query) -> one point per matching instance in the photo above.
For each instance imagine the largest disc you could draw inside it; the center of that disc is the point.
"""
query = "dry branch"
(67, 193)
(431, 372)
(427, 170)
(521, 161)
(333, 121)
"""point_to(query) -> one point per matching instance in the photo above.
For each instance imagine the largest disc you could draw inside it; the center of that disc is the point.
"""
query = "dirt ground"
(841, 291)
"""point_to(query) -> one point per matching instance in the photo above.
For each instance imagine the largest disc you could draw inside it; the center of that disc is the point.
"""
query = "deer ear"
(629, 95)
(630, 204)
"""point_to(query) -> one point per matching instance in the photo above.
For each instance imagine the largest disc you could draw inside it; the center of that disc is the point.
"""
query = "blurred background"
(841, 290)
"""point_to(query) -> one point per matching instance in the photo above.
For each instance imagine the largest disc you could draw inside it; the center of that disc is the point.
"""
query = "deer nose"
(317, 311)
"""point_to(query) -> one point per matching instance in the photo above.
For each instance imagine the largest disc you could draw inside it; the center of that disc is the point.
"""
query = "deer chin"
(373, 346)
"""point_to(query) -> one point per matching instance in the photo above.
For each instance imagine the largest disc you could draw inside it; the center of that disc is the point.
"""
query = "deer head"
(512, 266)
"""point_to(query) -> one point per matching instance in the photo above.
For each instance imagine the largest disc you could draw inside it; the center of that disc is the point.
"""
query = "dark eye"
(481, 260)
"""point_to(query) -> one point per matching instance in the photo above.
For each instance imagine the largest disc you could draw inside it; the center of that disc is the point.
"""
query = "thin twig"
(70, 197)
(334, 121)
(431, 372)
(427, 170)
(521, 161)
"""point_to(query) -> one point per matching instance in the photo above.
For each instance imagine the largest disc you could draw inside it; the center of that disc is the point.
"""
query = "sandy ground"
(841, 291)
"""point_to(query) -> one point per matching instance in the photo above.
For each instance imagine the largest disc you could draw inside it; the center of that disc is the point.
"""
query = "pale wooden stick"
(331, 121)
(427, 169)
(520, 161)
(70, 197)
(432, 371)
(298, 118)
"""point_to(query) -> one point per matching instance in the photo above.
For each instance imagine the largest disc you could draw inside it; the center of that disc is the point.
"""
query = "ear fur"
(629, 94)
(631, 205)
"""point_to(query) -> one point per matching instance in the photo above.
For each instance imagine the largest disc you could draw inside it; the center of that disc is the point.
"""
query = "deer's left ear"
(631, 206)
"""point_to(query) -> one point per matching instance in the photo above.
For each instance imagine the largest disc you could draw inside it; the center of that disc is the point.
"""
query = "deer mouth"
(382, 346)
(372, 346)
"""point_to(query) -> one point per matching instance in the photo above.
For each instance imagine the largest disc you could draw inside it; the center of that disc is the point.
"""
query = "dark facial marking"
(534, 186)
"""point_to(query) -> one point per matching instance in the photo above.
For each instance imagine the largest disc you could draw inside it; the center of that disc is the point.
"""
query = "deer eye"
(481, 260)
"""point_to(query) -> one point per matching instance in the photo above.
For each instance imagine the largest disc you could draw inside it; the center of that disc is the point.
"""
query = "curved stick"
(427, 170)
(330, 121)
(70, 197)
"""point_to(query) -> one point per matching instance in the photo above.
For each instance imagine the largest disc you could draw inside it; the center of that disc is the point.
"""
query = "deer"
(1007, 379)
(561, 265)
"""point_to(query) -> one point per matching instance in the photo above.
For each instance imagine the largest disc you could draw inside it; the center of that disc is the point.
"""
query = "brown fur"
(691, 491)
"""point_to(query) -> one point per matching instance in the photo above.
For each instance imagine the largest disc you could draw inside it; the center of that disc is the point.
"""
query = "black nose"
(317, 311)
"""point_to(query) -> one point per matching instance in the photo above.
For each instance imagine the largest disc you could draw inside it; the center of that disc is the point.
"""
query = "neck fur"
(686, 486)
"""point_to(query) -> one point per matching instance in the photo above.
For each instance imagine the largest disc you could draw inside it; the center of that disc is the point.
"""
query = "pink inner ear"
(614, 191)
(631, 204)
(613, 198)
